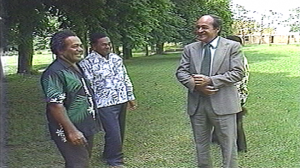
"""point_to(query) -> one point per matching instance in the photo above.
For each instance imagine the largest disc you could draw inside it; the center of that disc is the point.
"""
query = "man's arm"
(129, 88)
(183, 73)
(236, 70)
(73, 135)
(52, 87)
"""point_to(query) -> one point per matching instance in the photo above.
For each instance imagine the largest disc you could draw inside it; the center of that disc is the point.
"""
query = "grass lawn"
(158, 133)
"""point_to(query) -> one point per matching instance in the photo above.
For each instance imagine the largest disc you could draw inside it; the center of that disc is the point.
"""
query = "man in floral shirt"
(113, 92)
(70, 108)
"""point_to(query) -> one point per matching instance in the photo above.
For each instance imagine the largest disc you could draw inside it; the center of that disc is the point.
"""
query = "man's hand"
(132, 105)
(76, 138)
(73, 135)
(201, 80)
(208, 90)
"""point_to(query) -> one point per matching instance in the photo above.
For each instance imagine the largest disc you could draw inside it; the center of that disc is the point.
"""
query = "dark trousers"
(113, 122)
(76, 156)
(241, 137)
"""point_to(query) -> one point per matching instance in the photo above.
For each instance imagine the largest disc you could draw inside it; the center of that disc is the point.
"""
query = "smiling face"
(205, 30)
(72, 50)
(102, 46)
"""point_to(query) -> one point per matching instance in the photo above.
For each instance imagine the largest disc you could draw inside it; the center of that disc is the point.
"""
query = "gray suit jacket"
(227, 69)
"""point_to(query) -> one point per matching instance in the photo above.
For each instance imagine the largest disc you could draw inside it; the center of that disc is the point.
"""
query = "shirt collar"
(68, 65)
(214, 43)
(63, 62)
(101, 56)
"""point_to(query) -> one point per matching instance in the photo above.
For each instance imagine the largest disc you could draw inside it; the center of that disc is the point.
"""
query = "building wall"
(273, 39)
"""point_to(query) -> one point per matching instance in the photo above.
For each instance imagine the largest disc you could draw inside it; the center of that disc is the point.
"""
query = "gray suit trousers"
(225, 126)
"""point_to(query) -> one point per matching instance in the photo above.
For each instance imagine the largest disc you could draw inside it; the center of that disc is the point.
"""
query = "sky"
(261, 5)
(281, 6)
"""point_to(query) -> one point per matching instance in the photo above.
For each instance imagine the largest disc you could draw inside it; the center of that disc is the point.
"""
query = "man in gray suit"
(209, 68)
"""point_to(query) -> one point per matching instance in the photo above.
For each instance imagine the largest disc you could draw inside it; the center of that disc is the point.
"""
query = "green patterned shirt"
(62, 84)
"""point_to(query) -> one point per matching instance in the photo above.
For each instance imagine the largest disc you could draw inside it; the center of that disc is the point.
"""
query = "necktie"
(205, 66)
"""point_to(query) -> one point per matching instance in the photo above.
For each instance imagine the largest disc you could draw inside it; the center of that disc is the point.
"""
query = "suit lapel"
(197, 60)
(219, 55)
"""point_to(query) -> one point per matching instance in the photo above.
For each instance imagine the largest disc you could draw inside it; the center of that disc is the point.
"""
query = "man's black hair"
(57, 42)
(95, 36)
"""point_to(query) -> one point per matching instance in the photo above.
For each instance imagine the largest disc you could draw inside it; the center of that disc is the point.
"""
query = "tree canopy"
(129, 23)
(294, 20)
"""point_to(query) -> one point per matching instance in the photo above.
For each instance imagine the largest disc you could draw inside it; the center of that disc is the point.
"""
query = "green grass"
(158, 133)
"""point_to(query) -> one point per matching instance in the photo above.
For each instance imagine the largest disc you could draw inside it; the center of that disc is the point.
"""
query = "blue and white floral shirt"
(108, 78)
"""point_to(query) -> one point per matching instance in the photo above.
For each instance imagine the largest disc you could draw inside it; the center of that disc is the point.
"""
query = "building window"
(246, 38)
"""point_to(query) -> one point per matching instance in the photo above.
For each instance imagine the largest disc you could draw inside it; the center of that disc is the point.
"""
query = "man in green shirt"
(71, 112)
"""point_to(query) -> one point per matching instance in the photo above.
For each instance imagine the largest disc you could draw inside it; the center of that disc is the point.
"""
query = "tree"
(73, 15)
(133, 21)
(23, 23)
(3, 127)
(294, 20)
(1, 31)
(191, 10)
(130, 22)
(166, 27)
(244, 23)
(222, 9)
(268, 23)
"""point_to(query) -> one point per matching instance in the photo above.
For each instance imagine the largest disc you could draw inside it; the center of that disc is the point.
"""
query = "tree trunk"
(25, 48)
(3, 112)
(152, 49)
(1, 67)
(243, 34)
(146, 50)
(260, 39)
(159, 48)
(261, 31)
(115, 49)
(127, 52)
(270, 39)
